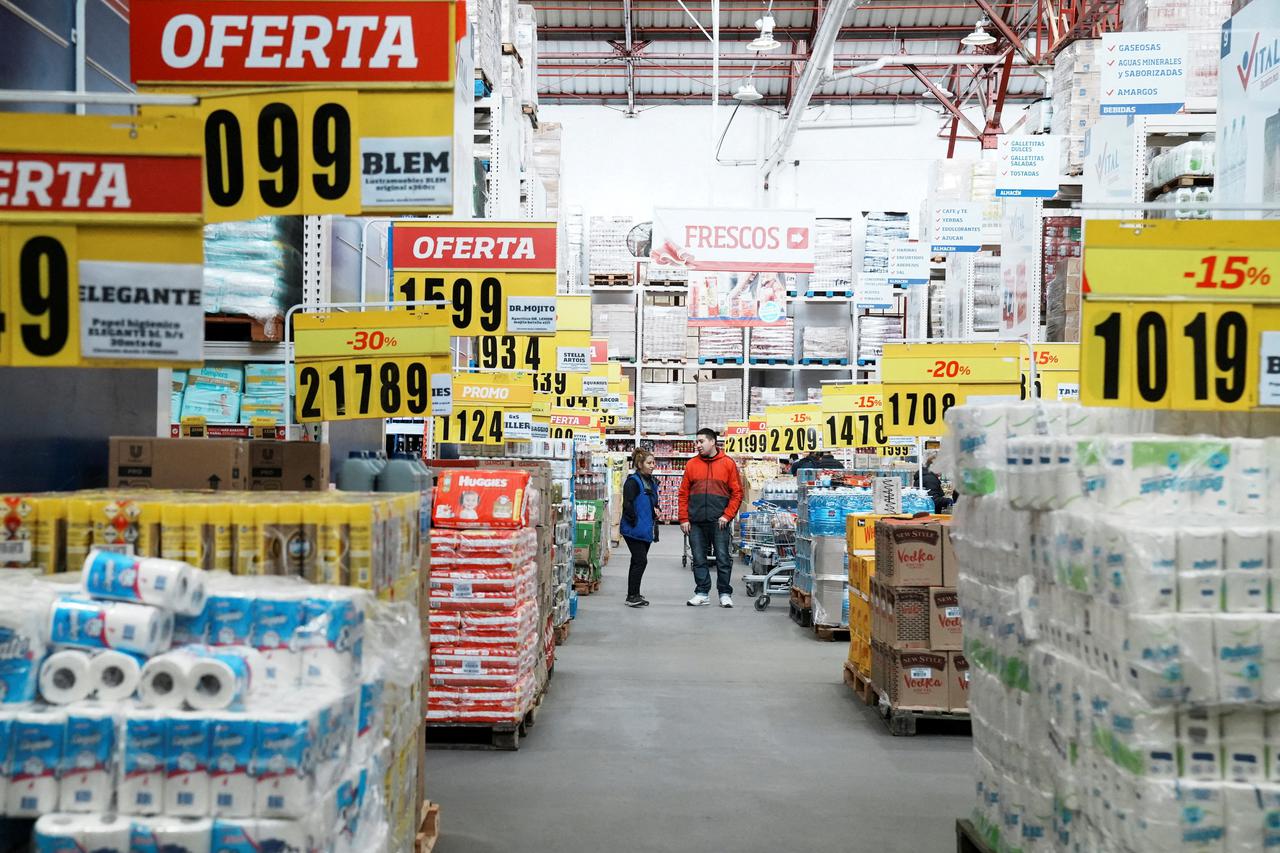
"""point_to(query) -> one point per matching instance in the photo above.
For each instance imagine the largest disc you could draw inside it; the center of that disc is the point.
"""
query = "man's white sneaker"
(726, 600)
(700, 599)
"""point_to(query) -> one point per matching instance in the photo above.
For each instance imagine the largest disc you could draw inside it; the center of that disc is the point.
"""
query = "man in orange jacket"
(710, 494)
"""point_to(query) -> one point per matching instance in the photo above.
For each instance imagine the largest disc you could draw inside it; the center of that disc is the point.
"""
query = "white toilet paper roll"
(35, 753)
(1200, 591)
(58, 831)
(1245, 548)
(107, 833)
(1239, 657)
(231, 764)
(1196, 655)
(86, 778)
(145, 580)
(1244, 591)
(65, 677)
(1200, 549)
(191, 835)
(197, 593)
(139, 629)
(115, 675)
(282, 669)
(1273, 746)
(217, 682)
(166, 680)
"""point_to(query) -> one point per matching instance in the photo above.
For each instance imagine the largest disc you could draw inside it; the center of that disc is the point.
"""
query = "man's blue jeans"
(701, 534)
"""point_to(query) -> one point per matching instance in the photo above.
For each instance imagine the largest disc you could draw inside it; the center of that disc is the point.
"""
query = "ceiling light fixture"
(765, 41)
(747, 93)
(979, 37)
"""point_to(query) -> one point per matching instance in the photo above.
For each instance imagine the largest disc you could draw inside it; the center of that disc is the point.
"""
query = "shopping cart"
(770, 537)
(686, 558)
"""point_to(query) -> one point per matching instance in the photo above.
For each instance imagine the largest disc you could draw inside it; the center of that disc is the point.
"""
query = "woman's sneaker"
(637, 601)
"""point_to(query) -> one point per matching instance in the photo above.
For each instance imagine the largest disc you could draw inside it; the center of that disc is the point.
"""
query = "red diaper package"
(473, 498)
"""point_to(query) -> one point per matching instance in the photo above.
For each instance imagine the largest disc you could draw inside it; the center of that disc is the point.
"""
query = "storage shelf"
(244, 351)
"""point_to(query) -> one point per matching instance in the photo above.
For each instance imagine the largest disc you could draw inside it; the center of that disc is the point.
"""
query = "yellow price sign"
(530, 353)
(368, 333)
(495, 390)
(851, 416)
(793, 429)
(897, 451)
(576, 401)
(573, 313)
(919, 409)
(1180, 355)
(562, 384)
(352, 389)
(471, 425)
(734, 432)
(1200, 260)
(1057, 371)
(477, 303)
(982, 363)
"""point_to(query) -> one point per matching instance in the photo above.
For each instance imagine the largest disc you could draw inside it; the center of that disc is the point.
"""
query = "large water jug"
(400, 474)
(358, 472)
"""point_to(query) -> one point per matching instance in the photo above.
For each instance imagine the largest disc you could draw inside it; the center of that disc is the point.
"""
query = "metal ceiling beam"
(772, 100)
(631, 74)
(1007, 31)
(668, 33)
(947, 104)
(824, 42)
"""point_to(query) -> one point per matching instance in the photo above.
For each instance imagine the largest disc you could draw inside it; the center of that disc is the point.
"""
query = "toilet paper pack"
(277, 620)
(230, 619)
(35, 753)
(22, 645)
(170, 834)
(142, 580)
(187, 749)
(143, 767)
(232, 783)
(284, 747)
(1239, 663)
(73, 833)
(89, 624)
(87, 778)
(332, 641)
(253, 835)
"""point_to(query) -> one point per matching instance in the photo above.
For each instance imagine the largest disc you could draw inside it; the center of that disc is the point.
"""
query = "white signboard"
(1269, 375)
(573, 359)
(886, 495)
(405, 171)
(956, 227)
(1248, 139)
(872, 290)
(141, 311)
(1108, 163)
(1028, 166)
(1143, 73)
(740, 240)
(595, 386)
(531, 315)
(517, 426)
(908, 263)
(442, 394)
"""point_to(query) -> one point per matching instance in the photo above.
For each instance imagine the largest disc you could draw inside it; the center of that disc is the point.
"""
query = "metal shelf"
(244, 351)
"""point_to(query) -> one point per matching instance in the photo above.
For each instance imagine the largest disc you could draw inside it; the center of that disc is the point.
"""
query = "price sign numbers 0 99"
(508, 352)
(470, 426)
(753, 443)
(550, 383)
(475, 304)
(794, 439)
(1188, 355)
(351, 389)
(854, 429)
(917, 409)
(36, 268)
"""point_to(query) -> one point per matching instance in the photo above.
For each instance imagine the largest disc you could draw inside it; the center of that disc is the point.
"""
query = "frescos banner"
(742, 240)
(737, 298)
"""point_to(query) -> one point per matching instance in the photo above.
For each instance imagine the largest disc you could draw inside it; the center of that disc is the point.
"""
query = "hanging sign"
(471, 425)
(921, 382)
(872, 290)
(957, 227)
(102, 265)
(733, 240)
(1143, 73)
(908, 263)
(1057, 372)
(1020, 246)
(1108, 160)
(523, 352)
(793, 429)
(499, 390)
(1028, 166)
(599, 351)
(484, 270)
(1176, 313)
(337, 334)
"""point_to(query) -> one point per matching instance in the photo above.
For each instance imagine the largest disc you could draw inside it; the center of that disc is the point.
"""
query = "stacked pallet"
(608, 259)
(665, 331)
(824, 343)
(616, 323)
(719, 343)
(719, 401)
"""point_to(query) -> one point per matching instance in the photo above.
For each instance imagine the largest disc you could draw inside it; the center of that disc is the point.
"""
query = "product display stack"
(1077, 79)
(824, 344)
(833, 258)
(719, 401)
(1063, 274)
(665, 331)
(159, 704)
(662, 408)
(763, 396)
(608, 260)
(775, 343)
(486, 642)
(254, 269)
(1118, 588)
(720, 343)
(1201, 21)
(616, 323)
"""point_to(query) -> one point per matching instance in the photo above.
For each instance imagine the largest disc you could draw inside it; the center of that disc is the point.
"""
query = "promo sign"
(922, 381)
(495, 276)
(733, 240)
(103, 262)
(330, 144)
(793, 429)
(1177, 317)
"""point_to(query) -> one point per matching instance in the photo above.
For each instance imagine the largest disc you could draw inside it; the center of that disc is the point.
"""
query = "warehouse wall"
(620, 166)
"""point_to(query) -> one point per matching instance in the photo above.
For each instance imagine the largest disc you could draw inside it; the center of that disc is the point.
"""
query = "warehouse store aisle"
(670, 728)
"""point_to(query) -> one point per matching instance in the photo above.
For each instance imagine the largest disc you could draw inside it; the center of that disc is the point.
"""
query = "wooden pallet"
(586, 587)
(720, 359)
(968, 840)
(772, 360)
(859, 684)
(835, 362)
(612, 280)
(831, 633)
(473, 736)
(668, 282)
(800, 615)
(243, 329)
(562, 633)
(1181, 182)
(428, 828)
(902, 721)
(509, 49)
(802, 598)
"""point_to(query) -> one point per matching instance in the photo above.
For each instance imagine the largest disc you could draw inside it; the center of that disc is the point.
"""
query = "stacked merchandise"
(662, 408)
(230, 393)
(986, 293)
(669, 496)
(485, 647)
(873, 333)
(1077, 81)
(833, 257)
(546, 162)
(486, 39)
(720, 342)
(880, 231)
(775, 342)
(966, 181)
(719, 401)
(526, 42)
(1120, 592)
(616, 323)
(558, 456)
(185, 710)
(253, 268)
(607, 253)
(820, 572)
(666, 329)
(1062, 248)
(824, 343)
(916, 648)
(1192, 163)
(860, 559)
(655, 274)
(762, 396)
(1202, 22)
(575, 238)
(589, 541)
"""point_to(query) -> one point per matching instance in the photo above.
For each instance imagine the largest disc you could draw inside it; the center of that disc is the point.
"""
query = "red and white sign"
(525, 246)
(573, 420)
(743, 240)
(599, 352)
(291, 41)
(106, 184)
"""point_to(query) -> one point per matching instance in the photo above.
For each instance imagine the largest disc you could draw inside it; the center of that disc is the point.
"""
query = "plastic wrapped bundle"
(762, 396)
(253, 268)
(824, 342)
(719, 342)
(719, 401)
(607, 252)
(617, 325)
(879, 231)
(873, 333)
(662, 408)
(774, 342)
(665, 330)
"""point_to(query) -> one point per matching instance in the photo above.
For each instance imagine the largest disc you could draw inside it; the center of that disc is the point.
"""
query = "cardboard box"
(860, 533)
(900, 617)
(950, 565)
(915, 680)
(909, 552)
(288, 466)
(177, 463)
(945, 632)
(958, 692)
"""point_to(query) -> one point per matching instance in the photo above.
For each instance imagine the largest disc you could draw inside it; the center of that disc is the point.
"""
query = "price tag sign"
(351, 389)
(597, 386)
(471, 425)
(1057, 371)
(573, 359)
(531, 353)
(793, 429)
(1169, 322)
(994, 362)
(915, 410)
(102, 264)
(497, 390)
(568, 424)
(481, 269)
(517, 426)
(734, 432)
(340, 334)
(851, 416)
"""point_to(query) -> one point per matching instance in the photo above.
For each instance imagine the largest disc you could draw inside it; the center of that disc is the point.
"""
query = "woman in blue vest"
(639, 521)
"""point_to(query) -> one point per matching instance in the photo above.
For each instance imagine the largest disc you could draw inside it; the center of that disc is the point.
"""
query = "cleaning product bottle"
(358, 472)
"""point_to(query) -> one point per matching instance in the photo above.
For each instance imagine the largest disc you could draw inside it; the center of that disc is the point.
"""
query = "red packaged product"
(481, 498)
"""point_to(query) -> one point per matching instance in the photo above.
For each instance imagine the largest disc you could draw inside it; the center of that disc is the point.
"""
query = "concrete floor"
(670, 728)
